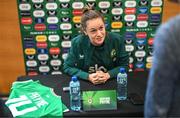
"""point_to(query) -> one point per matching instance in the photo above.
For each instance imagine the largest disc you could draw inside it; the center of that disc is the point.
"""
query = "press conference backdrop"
(47, 27)
(11, 49)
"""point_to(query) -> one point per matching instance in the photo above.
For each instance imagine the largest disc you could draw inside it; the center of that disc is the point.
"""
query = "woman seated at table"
(95, 55)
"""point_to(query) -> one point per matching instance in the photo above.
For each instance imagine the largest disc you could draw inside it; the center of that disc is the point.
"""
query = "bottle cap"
(122, 70)
(74, 78)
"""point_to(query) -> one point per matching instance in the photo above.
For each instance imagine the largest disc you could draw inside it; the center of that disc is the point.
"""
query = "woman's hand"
(93, 78)
(99, 77)
(102, 77)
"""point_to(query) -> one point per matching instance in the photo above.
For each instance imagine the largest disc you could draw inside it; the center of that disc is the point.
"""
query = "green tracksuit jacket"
(84, 58)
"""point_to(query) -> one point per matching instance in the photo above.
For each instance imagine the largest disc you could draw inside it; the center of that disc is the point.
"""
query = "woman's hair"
(89, 14)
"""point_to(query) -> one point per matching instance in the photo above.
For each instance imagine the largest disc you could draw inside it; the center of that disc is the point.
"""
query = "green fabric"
(31, 99)
(84, 58)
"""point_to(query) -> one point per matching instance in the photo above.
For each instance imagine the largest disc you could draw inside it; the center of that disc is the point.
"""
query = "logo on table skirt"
(51, 6)
(77, 5)
(104, 4)
(25, 7)
(117, 11)
(130, 3)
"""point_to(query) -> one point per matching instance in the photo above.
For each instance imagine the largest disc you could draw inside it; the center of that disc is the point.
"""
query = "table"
(136, 84)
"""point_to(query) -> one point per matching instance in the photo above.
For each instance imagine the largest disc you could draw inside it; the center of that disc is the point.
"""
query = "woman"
(95, 55)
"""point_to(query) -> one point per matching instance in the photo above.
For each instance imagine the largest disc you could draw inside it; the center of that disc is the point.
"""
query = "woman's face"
(95, 29)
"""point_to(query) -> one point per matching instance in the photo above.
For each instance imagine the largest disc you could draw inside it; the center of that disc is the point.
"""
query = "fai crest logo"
(113, 54)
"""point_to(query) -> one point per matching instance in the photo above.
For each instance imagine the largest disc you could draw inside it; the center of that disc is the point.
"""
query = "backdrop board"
(47, 27)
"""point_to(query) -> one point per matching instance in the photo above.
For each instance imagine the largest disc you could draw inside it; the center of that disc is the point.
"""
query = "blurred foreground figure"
(163, 89)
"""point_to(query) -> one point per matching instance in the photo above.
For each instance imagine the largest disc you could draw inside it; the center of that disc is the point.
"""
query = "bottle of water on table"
(122, 84)
(75, 95)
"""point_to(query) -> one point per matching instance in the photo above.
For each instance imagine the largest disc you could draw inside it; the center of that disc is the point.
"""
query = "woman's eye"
(101, 28)
(93, 31)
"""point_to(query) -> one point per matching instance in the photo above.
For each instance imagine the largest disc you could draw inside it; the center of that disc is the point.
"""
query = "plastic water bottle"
(122, 84)
(75, 95)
